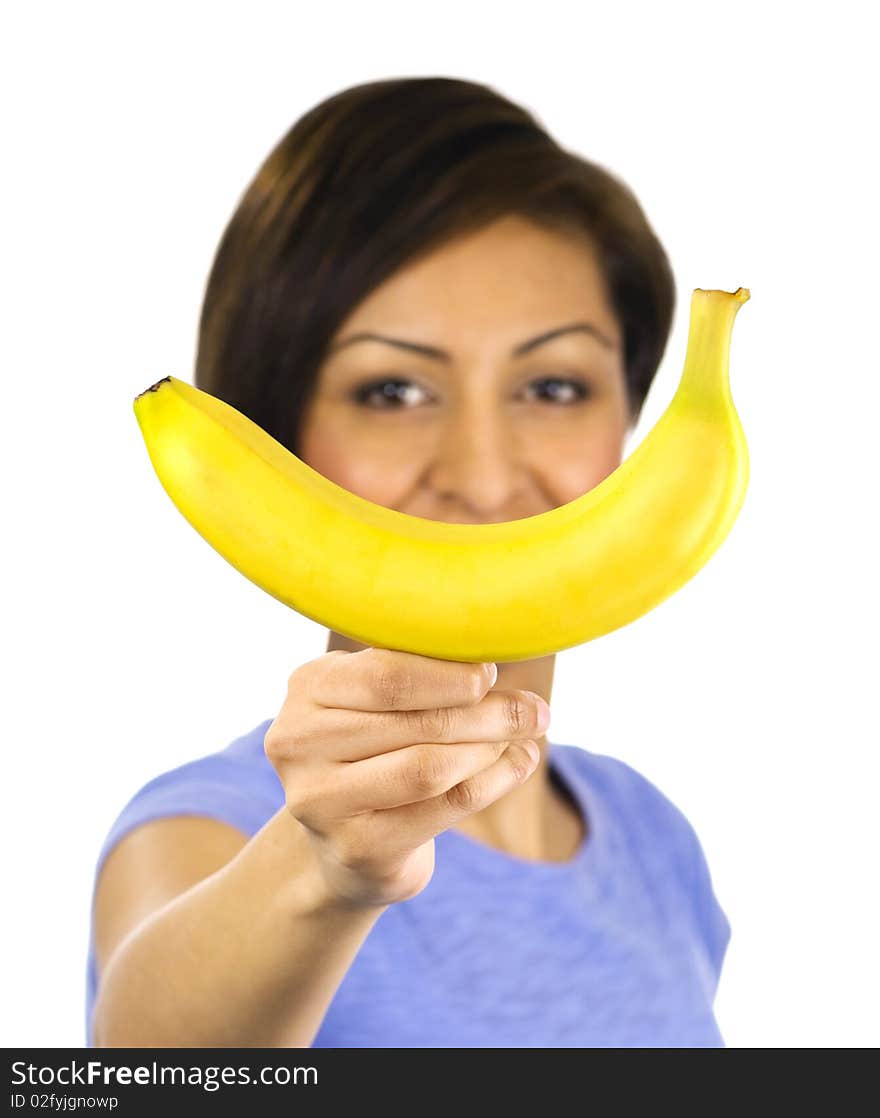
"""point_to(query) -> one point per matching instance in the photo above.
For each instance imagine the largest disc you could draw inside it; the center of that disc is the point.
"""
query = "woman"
(433, 304)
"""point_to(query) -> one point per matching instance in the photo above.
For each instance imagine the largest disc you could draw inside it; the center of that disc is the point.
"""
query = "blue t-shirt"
(619, 947)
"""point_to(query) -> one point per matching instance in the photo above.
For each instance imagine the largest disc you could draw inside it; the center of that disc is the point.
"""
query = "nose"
(478, 471)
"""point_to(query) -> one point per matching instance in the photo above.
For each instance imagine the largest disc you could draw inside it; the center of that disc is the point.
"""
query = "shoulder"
(235, 785)
(239, 772)
(659, 831)
(628, 794)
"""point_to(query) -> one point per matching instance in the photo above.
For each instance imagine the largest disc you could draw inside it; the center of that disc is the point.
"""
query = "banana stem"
(705, 381)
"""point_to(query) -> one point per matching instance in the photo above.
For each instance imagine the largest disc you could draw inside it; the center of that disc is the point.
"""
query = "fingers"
(379, 679)
(380, 750)
(355, 735)
(403, 776)
(404, 828)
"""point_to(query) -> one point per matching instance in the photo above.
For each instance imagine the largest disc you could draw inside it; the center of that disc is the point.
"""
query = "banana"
(469, 592)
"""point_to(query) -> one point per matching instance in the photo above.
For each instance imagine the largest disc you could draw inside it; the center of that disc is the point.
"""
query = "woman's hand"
(380, 750)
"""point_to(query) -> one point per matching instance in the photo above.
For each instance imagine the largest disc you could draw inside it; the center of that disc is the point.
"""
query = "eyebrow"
(443, 355)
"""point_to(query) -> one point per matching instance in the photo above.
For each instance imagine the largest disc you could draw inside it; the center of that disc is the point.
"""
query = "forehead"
(501, 280)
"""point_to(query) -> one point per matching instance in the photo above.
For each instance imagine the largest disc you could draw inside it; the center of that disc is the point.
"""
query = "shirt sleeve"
(667, 833)
(711, 918)
(217, 787)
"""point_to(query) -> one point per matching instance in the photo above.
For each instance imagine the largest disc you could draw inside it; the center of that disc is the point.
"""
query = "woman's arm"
(250, 956)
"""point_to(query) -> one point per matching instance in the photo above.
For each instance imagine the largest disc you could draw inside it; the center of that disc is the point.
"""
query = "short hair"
(374, 177)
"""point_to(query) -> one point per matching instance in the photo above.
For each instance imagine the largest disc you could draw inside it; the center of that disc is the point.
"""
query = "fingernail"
(543, 711)
(493, 674)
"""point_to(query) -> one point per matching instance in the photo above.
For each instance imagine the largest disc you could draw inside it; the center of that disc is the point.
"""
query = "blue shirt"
(621, 946)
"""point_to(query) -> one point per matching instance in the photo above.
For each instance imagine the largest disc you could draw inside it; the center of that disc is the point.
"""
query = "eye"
(394, 393)
(386, 393)
(581, 389)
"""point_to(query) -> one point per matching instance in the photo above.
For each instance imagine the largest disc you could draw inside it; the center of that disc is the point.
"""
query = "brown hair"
(370, 179)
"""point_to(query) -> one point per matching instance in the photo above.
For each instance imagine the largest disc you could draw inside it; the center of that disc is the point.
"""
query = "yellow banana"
(470, 592)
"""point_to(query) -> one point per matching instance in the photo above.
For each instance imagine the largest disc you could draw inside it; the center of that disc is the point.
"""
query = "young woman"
(427, 299)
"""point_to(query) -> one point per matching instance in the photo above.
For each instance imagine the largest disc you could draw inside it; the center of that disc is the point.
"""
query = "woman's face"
(491, 424)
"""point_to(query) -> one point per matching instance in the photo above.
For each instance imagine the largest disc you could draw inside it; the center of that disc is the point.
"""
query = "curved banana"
(470, 592)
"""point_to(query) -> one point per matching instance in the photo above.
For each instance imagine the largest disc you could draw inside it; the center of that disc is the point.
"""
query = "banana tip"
(741, 295)
(152, 388)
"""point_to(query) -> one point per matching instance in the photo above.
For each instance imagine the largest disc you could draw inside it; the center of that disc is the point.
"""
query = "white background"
(131, 646)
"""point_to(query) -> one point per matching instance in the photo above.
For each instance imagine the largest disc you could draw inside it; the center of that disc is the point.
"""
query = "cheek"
(357, 457)
(579, 463)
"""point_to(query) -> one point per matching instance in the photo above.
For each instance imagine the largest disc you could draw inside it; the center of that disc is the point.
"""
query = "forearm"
(251, 956)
